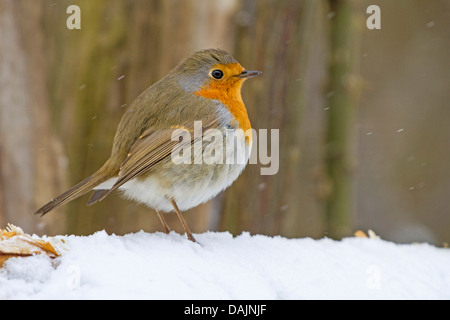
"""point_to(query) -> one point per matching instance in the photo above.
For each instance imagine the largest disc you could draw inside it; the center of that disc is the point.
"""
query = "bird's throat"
(229, 94)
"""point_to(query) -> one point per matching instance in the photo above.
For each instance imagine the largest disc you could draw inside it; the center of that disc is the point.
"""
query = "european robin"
(204, 87)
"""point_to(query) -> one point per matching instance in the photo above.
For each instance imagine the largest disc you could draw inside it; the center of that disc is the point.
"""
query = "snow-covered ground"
(159, 266)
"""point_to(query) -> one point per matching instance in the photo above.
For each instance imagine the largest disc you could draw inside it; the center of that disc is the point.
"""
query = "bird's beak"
(248, 74)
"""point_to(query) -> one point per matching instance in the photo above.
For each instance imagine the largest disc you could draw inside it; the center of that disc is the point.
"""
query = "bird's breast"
(229, 96)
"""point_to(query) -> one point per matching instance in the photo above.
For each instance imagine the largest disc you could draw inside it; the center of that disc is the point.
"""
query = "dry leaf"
(370, 234)
(360, 234)
(15, 243)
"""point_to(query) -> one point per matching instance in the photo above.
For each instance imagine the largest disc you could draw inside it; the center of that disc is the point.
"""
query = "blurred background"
(364, 115)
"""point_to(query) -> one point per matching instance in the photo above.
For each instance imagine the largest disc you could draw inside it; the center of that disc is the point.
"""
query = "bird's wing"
(152, 147)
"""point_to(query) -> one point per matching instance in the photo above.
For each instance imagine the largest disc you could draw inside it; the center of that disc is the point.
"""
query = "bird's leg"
(183, 222)
(163, 221)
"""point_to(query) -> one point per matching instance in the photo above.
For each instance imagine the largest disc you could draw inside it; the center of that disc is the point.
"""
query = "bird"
(205, 88)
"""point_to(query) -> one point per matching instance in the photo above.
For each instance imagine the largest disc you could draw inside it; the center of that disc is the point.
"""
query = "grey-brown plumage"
(140, 158)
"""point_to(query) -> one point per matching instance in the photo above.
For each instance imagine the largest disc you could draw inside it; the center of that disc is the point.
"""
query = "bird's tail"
(76, 191)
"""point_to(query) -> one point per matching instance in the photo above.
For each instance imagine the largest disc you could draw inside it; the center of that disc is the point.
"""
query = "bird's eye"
(217, 74)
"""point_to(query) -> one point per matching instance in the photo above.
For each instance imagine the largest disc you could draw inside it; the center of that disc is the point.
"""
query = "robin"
(204, 87)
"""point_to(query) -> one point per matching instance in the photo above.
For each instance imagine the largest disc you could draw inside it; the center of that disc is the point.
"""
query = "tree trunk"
(275, 37)
(30, 170)
(343, 95)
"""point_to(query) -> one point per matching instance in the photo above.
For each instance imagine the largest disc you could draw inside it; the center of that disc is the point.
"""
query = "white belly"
(203, 182)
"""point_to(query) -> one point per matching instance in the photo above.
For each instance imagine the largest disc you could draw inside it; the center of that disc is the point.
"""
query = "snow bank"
(160, 266)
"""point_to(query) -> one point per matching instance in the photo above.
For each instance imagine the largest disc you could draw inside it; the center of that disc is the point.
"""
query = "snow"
(158, 266)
